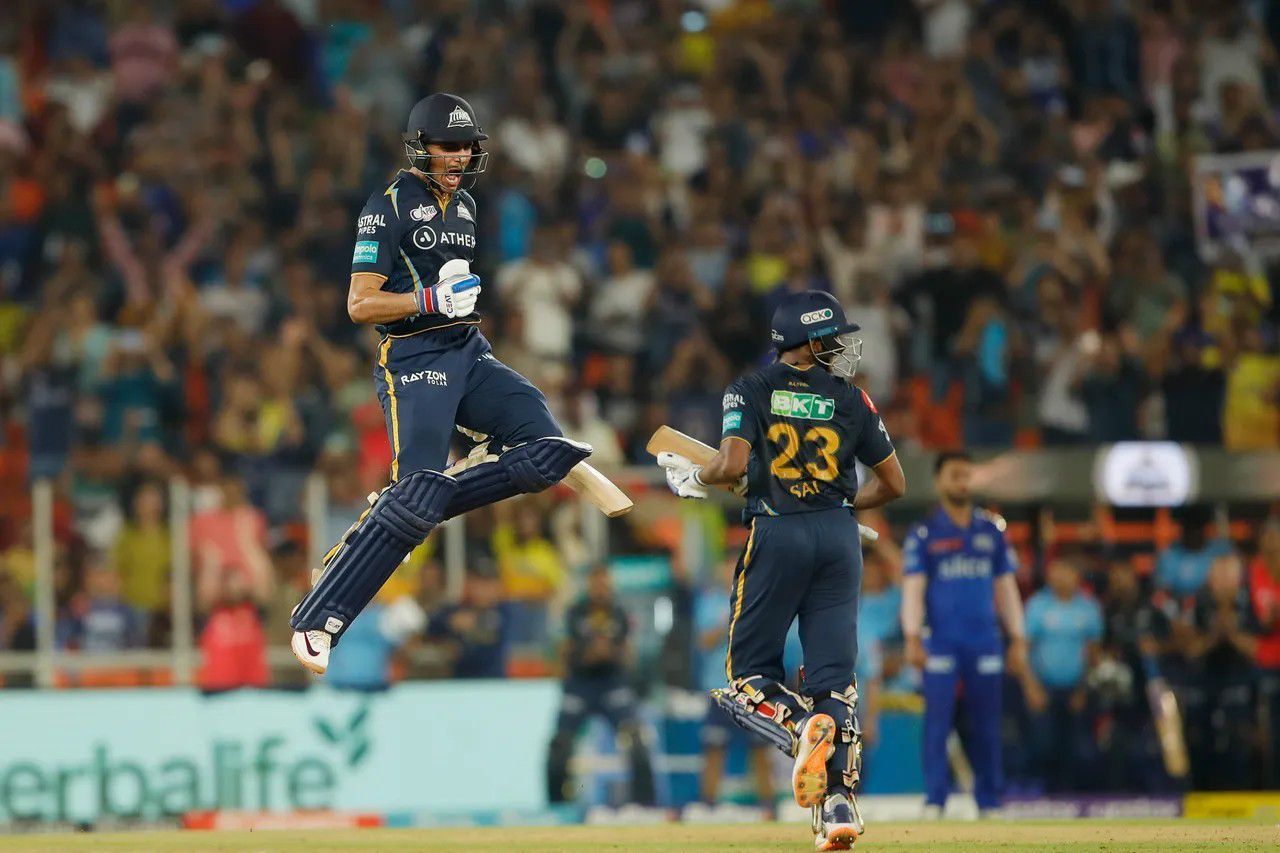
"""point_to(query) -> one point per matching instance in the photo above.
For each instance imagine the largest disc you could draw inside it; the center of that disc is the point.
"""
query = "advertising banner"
(95, 755)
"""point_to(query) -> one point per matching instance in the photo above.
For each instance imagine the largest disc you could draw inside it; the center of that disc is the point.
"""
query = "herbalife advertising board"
(85, 756)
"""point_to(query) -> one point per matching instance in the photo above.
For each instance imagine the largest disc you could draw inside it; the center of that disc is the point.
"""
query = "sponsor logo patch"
(459, 118)
(370, 223)
(732, 420)
(773, 333)
(983, 542)
(333, 624)
(449, 238)
(366, 252)
(790, 404)
(423, 213)
(732, 401)
(425, 237)
(463, 213)
(816, 316)
(433, 377)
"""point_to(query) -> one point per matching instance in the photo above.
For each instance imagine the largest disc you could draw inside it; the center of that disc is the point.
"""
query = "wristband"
(422, 298)
(697, 479)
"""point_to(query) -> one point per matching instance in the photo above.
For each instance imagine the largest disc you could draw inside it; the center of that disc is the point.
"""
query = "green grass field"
(1164, 836)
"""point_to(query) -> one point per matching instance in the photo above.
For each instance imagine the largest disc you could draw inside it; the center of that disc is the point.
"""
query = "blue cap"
(802, 317)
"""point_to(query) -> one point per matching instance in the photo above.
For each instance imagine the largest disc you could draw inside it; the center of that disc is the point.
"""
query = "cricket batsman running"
(958, 577)
(411, 276)
(792, 433)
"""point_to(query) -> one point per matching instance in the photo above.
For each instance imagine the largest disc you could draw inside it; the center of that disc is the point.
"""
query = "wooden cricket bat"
(1168, 720)
(667, 439)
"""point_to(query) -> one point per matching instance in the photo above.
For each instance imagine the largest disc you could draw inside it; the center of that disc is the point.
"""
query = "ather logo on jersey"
(809, 406)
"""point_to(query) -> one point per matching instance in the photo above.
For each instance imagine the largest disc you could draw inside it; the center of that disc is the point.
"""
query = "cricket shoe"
(809, 776)
(311, 648)
(836, 824)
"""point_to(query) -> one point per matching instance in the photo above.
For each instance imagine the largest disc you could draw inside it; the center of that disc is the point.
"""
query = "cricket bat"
(667, 439)
(1168, 720)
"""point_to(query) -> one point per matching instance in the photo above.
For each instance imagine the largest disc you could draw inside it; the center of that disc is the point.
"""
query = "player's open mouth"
(452, 177)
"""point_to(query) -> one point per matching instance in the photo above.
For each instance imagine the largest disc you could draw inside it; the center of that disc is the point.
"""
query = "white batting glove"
(454, 296)
(680, 475)
(867, 534)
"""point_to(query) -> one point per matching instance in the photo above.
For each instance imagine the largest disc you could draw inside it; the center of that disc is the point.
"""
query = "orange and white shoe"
(311, 648)
(809, 776)
(837, 824)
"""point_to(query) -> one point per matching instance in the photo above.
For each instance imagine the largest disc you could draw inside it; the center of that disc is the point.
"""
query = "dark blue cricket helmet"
(816, 318)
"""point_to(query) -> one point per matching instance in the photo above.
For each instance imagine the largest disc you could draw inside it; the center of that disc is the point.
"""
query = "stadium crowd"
(998, 192)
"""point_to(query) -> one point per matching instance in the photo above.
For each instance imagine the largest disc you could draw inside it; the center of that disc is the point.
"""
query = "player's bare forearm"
(368, 303)
(729, 464)
(887, 484)
(913, 606)
(1009, 606)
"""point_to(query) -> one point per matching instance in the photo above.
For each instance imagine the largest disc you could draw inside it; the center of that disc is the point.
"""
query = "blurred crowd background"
(997, 191)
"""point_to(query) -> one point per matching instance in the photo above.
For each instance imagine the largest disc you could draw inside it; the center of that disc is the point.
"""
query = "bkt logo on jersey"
(961, 567)
(370, 223)
(789, 404)
(816, 316)
(732, 401)
(433, 377)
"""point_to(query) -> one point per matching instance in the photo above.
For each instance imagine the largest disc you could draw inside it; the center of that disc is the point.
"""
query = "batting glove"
(454, 296)
(682, 475)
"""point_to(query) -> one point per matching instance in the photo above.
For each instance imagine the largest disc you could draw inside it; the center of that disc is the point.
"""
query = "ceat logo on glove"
(816, 316)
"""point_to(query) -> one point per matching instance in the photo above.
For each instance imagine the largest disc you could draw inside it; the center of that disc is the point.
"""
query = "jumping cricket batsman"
(411, 277)
(958, 576)
(792, 433)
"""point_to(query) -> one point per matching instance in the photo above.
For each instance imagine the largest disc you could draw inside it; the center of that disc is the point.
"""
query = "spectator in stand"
(1181, 568)
(718, 732)
(1064, 630)
(17, 628)
(531, 569)
(233, 645)
(141, 557)
(475, 629)
(363, 661)
(1126, 735)
(230, 539)
(1225, 646)
(1264, 589)
(101, 621)
(879, 632)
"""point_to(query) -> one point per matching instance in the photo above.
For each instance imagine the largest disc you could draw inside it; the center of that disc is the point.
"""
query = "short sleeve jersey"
(405, 234)
(960, 565)
(806, 429)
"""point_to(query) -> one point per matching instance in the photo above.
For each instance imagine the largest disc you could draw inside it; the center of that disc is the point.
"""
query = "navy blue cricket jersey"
(806, 428)
(406, 234)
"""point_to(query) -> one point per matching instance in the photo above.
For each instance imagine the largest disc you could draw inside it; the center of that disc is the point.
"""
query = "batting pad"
(398, 522)
(521, 470)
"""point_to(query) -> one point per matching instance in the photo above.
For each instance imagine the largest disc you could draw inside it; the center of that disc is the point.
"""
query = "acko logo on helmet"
(816, 316)
(459, 118)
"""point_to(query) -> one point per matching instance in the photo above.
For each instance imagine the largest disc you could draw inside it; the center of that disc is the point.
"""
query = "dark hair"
(949, 456)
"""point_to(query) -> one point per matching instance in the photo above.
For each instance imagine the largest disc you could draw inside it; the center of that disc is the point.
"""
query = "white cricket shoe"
(838, 824)
(311, 648)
